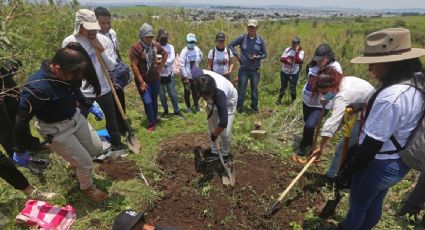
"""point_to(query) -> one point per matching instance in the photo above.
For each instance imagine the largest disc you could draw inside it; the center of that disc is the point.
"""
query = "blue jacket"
(248, 47)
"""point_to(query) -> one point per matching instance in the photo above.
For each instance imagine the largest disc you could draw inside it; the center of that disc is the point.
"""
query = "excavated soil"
(120, 169)
(212, 205)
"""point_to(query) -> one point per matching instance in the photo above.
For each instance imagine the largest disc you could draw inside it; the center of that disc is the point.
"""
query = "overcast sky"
(365, 4)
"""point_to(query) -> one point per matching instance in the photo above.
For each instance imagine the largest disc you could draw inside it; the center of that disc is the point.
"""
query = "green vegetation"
(33, 32)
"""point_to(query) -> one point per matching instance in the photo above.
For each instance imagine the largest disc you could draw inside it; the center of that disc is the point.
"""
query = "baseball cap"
(252, 22)
(126, 220)
(191, 38)
(196, 72)
(220, 37)
(322, 51)
(162, 33)
(296, 40)
(87, 19)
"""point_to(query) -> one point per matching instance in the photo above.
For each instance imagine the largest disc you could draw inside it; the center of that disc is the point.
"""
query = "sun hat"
(87, 19)
(252, 22)
(388, 45)
(191, 38)
(126, 220)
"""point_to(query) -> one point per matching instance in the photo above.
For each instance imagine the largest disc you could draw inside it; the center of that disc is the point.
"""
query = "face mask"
(191, 46)
(329, 96)
(163, 41)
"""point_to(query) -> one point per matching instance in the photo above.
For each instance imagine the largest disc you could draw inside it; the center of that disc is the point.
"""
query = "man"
(252, 51)
(104, 17)
(131, 220)
(85, 33)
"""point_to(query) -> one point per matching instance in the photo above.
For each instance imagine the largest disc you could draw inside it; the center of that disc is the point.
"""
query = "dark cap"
(296, 40)
(220, 37)
(162, 33)
(127, 220)
(322, 51)
(196, 72)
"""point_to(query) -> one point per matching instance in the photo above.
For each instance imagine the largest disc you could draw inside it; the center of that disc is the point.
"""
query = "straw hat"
(388, 45)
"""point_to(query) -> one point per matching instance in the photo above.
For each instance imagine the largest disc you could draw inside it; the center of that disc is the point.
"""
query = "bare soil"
(260, 178)
(120, 169)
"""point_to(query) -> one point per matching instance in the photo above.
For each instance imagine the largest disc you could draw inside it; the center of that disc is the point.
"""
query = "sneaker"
(117, 150)
(151, 128)
(38, 195)
(189, 110)
(179, 114)
(165, 113)
(95, 194)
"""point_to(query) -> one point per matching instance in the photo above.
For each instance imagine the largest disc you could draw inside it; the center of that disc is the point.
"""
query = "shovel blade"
(330, 207)
(133, 143)
(273, 209)
(232, 176)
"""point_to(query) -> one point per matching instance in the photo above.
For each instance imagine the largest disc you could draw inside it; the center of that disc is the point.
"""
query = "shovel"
(330, 206)
(230, 177)
(132, 142)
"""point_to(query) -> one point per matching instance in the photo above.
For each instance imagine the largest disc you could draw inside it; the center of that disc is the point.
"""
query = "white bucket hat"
(388, 45)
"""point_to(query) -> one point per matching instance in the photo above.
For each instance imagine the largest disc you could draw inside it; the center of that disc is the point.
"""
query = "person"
(145, 66)
(190, 56)
(9, 103)
(221, 97)
(168, 81)
(292, 59)
(121, 73)
(389, 118)
(51, 95)
(323, 57)
(85, 33)
(342, 92)
(132, 220)
(220, 59)
(252, 51)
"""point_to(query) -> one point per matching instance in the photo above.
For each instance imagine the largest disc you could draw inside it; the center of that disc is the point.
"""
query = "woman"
(145, 67)
(323, 57)
(168, 81)
(190, 56)
(341, 91)
(52, 95)
(222, 99)
(292, 59)
(391, 115)
(220, 59)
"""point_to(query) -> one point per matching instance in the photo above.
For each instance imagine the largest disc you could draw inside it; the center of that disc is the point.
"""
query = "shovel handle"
(284, 193)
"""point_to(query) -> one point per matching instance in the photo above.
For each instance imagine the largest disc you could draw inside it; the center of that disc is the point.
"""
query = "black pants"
(8, 112)
(188, 88)
(311, 119)
(106, 103)
(11, 174)
(120, 119)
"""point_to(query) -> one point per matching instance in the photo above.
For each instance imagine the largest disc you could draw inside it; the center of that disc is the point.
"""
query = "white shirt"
(291, 68)
(107, 55)
(307, 94)
(167, 70)
(227, 87)
(186, 56)
(221, 60)
(352, 90)
(396, 111)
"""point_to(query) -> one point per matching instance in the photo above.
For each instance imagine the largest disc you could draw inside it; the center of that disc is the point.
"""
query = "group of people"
(88, 71)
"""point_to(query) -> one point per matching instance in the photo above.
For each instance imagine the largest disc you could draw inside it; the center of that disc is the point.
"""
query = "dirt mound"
(213, 205)
(120, 169)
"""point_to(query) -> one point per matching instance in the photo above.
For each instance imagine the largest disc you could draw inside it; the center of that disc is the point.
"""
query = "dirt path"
(213, 205)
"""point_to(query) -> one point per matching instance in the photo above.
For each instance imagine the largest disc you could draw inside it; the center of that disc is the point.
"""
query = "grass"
(42, 34)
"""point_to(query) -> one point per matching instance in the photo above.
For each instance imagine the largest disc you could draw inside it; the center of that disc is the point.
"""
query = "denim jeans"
(369, 187)
(334, 167)
(311, 119)
(150, 101)
(254, 77)
(171, 90)
(292, 79)
(416, 199)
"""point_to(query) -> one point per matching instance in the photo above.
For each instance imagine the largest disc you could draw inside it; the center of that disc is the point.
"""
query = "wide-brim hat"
(87, 19)
(388, 45)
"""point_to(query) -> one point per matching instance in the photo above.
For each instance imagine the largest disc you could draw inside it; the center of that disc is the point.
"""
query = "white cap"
(87, 19)
(252, 22)
(191, 38)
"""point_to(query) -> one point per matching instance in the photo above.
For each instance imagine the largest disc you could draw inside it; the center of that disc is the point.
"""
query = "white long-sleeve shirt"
(108, 56)
(167, 70)
(186, 56)
(352, 90)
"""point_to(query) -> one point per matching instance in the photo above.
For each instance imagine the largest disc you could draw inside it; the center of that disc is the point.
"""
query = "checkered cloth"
(45, 216)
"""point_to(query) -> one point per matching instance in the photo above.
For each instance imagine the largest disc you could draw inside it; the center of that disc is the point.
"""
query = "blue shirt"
(249, 46)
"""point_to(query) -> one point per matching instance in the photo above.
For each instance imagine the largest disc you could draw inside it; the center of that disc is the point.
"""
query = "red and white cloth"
(43, 215)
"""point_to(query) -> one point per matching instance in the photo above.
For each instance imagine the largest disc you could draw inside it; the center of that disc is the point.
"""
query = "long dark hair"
(402, 70)
(74, 59)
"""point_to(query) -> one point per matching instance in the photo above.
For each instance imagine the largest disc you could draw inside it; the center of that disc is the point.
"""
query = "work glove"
(96, 111)
(22, 159)
(213, 137)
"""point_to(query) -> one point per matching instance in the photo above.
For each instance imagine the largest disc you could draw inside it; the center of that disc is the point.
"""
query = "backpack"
(213, 53)
(413, 153)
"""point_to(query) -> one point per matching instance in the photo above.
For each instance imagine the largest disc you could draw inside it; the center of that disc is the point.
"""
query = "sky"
(364, 4)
